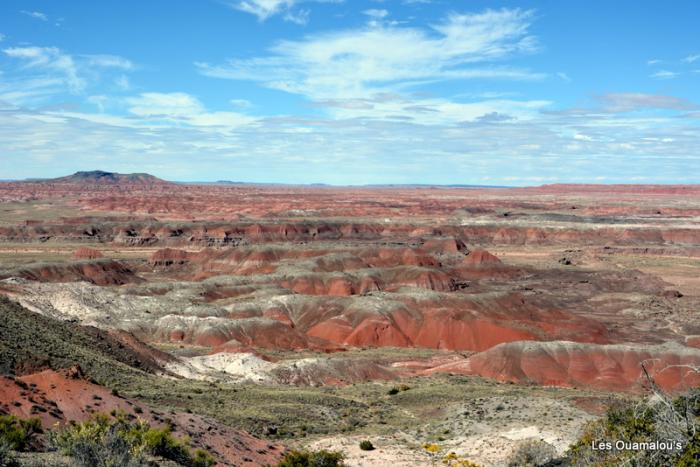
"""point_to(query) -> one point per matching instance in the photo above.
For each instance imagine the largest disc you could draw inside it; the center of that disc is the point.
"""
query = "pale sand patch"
(389, 451)
(242, 366)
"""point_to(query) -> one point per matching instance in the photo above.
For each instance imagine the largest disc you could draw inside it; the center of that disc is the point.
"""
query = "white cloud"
(98, 101)
(664, 74)
(361, 62)
(51, 59)
(376, 13)
(198, 144)
(300, 17)
(629, 102)
(692, 58)
(174, 104)
(36, 15)
(109, 61)
(183, 108)
(122, 82)
(265, 9)
(2, 37)
(653, 62)
(241, 103)
(564, 77)
(62, 70)
(432, 111)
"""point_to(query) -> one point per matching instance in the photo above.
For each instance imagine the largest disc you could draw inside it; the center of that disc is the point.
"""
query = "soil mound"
(570, 364)
(87, 253)
(481, 257)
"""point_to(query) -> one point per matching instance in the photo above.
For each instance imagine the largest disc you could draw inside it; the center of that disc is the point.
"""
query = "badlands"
(262, 318)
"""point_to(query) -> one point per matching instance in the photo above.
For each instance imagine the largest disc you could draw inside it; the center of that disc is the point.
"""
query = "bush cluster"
(532, 453)
(7, 459)
(320, 458)
(116, 441)
(659, 419)
(366, 445)
(16, 433)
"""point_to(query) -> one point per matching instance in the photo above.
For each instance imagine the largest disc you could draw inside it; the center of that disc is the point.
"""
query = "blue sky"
(352, 92)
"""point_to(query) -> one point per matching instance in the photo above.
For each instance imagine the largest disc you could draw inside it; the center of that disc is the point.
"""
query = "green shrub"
(7, 458)
(116, 441)
(320, 458)
(17, 433)
(202, 459)
(161, 442)
(659, 419)
(366, 445)
(533, 453)
(112, 450)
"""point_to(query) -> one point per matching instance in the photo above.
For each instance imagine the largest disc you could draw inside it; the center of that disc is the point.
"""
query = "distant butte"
(101, 177)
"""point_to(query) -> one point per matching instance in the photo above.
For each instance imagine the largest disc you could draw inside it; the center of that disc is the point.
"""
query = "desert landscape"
(258, 319)
(334, 233)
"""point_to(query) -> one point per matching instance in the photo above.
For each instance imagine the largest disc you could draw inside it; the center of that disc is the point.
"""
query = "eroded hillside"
(337, 293)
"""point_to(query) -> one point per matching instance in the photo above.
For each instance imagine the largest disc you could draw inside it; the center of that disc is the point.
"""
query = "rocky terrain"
(320, 299)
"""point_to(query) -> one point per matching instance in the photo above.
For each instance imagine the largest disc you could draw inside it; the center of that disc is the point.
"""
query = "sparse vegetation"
(16, 433)
(320, 458)
(366, 445)
(532, 453)
(115, 441)
(7, 458)
(656, 431)
(451, 459)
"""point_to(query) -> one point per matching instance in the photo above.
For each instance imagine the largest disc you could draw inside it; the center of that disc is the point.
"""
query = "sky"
(353, 92)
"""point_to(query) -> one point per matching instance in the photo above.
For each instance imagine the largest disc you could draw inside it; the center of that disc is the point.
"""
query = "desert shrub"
(453, 460)
(100, 441)
(7, 458)
(533, 453)
(393, 391)
(17, 433)
(366, 445)
(202, 459)
(112, 450)
(320, 458)
(161, 442)
(672, 423)
(105, 441)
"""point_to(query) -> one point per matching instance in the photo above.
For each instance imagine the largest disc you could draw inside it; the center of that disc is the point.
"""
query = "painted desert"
(396, 325)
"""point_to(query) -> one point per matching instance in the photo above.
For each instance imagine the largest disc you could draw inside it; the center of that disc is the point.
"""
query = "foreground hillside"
(62, 372)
